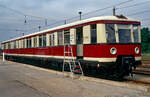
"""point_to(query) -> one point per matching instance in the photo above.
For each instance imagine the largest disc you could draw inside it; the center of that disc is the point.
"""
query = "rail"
(139, 82)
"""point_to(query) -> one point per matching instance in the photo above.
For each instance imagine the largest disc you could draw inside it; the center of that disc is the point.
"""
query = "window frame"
(44, 40)
(138, 41)
(40, 41)
(93, 33)
(67, 36)
(60, 37)
(109, 34)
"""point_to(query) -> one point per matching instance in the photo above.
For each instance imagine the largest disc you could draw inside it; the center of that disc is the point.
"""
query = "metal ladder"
(75, 66)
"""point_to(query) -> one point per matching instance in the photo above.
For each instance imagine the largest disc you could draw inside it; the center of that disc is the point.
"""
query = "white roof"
(114, 18)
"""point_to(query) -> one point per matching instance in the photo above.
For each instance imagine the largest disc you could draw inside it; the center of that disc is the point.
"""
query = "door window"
(93, 34)
(79, 35)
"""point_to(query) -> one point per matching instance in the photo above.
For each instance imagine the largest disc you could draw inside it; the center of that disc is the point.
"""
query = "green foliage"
(145, 40)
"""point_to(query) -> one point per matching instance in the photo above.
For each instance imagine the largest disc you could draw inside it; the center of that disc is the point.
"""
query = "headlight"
(137, 50)
(113, 50)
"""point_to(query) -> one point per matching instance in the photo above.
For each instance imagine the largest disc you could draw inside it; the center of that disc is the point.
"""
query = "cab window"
(135, 33)
(110, 33)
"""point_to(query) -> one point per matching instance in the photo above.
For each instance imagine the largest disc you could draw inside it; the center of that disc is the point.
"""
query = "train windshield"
(124, 35)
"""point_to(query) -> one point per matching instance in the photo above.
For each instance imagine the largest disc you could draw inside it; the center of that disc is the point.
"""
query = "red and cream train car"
(109, 41)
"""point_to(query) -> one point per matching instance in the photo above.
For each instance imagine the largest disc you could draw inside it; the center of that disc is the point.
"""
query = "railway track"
(146, 61)
(145, 66)
(141, 72)
(143, 69)
(139, 79)
(139, 82)
(141, 75)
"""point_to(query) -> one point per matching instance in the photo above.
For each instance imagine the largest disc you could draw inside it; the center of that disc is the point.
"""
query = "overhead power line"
(145, 25)
(145, 19)
(101, 9)
(24, 14)
(16, 11)
(136, 13)
(134, 5)
(108, 7)
(21, 13)
(124, 2)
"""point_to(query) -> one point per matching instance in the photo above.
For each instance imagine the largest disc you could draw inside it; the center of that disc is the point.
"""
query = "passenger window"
(52, 36)
(44, 40)
(40, 41)
(35, 41)
(110, 33)
(14, 44)
(93, 34)
(23, 43)
(4, 46)
(9, 45)
(50, 40)
(53, 41)
(66, 37)
(29, 43)
(18, 44)
(60, 38)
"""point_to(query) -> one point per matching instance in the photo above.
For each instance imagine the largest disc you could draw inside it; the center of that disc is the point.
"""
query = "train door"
(79, 42)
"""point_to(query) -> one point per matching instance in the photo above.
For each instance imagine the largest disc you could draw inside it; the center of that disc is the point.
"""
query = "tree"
(145, 40)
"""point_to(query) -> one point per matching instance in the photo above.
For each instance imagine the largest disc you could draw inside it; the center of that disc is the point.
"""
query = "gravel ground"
(18, 80)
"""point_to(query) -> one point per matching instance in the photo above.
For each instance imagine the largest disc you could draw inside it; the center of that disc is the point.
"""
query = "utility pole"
(23, 34)
(39, 28)
(114, 11)
(45, 22)
(80, 14)
(25, 21)
(65, 22)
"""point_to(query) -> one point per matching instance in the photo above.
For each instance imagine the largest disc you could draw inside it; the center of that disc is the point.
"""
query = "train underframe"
(122, 67)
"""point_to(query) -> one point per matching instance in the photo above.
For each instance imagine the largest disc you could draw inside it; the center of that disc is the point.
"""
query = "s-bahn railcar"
(109, 42)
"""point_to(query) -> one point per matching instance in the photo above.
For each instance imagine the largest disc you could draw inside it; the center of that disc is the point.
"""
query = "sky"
(25, 16)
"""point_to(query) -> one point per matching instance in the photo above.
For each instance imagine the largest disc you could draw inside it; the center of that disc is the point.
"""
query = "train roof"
(101, 18)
